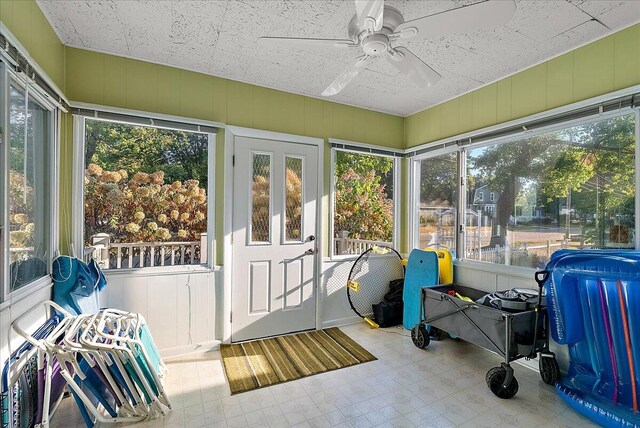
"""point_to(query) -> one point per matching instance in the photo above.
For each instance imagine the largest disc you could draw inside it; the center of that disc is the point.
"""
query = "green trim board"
(603, 66)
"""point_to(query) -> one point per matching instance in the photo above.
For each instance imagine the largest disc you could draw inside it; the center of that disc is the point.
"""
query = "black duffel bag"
(388, 314)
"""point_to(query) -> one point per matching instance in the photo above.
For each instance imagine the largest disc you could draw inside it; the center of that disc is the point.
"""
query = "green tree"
(502, 167)
(438, 180)
(588, 163)
(114, 146)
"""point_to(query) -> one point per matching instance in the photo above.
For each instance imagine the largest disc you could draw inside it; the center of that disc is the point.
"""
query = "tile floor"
(442, 386)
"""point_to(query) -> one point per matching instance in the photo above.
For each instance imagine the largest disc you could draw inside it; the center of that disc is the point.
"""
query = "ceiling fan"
(375, 27)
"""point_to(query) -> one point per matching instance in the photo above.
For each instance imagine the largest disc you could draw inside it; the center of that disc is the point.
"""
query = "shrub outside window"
(145, 195)
(363, 201)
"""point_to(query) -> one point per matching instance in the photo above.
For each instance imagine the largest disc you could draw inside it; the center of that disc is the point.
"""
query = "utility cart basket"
(513, 335)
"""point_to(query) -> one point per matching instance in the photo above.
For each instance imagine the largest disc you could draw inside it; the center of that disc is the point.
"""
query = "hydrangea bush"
(21, 226)
(143, 208)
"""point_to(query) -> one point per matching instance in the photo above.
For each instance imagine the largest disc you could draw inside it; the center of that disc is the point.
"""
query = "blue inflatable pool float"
(593, 299)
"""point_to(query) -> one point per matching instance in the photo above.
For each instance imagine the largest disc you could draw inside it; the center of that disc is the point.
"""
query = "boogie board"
(445, 265)
(422, 271)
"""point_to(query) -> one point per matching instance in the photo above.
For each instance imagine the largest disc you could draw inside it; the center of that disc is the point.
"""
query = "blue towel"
(76, 285)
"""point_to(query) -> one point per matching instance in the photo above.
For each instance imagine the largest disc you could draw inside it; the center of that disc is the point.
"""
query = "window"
(572, 188)
(437, 202)
(363, 201)
(28, 181)
(145, 194)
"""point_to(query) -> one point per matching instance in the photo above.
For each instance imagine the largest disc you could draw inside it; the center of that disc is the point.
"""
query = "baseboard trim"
(341, 322)
(198, 348)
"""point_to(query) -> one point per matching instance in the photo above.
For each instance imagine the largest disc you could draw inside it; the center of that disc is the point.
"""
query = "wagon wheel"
(435, 333)
(549, 369)
(420, 336)
(495, 379)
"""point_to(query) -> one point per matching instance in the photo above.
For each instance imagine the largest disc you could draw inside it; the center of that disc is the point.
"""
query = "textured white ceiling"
(220, 38)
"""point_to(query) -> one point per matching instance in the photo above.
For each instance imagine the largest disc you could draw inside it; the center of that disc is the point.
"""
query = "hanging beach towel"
(76, 285)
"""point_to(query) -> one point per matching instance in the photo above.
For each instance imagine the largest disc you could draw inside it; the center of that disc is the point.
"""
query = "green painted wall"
(115, 81)
(606, 65)
(27, 22)
(120, 82)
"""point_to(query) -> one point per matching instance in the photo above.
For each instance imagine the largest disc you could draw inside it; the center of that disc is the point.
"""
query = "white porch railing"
(517, 256)
(127, 255)
(356, 246)
(20, 253)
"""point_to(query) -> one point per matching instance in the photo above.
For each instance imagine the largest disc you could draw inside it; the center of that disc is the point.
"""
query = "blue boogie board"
(422, 271)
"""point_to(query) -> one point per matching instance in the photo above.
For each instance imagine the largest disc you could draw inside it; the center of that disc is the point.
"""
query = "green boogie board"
(422, 271)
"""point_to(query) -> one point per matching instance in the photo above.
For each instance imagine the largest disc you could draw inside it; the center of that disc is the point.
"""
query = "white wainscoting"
(162, 297)
(335, 309)
(181, 308)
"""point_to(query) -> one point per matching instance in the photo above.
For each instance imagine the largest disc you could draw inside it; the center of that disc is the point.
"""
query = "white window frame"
(17, 79)
(462, 156)
(77, 230)
(414, 193)
(397, 165)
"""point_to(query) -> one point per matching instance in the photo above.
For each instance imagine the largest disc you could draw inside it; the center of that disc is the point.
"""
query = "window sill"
(162, 270)
(26, 291)
(517, 271)
(340, 259)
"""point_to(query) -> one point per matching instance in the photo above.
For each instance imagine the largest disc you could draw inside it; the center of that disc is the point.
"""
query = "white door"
(275, 202)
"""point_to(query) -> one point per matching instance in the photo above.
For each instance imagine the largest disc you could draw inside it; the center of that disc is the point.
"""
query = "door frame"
(230, 134)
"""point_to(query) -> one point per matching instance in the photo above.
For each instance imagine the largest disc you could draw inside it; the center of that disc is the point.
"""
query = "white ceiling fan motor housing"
(377, 43)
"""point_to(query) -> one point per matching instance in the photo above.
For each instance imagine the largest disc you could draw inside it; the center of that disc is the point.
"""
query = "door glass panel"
(293, 198)
(261, 198)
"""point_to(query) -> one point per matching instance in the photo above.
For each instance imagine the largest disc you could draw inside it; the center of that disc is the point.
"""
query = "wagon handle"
(541, 277)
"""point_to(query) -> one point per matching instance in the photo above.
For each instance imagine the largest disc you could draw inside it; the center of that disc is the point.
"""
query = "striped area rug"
(265, 362)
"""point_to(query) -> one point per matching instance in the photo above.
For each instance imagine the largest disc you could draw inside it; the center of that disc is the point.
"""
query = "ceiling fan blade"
(346, 76)
(412, 66)
(476, 16)
(307, 43)
(370, 14)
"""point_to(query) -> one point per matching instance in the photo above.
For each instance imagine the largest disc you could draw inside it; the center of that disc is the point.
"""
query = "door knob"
(311, 238)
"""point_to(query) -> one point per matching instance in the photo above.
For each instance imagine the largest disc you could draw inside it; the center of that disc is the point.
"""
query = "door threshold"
(275, 335)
